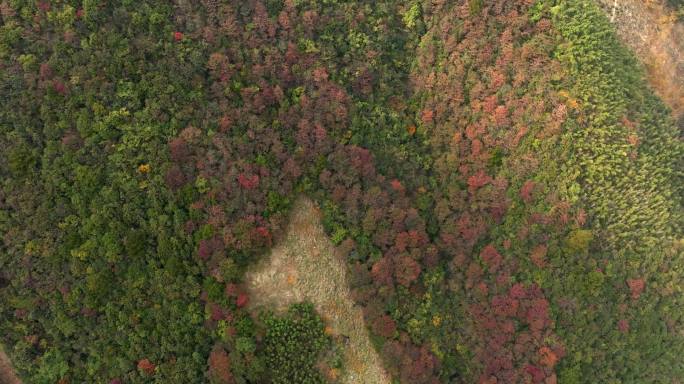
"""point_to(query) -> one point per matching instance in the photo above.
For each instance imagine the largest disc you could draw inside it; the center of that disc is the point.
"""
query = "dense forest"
(505, 186)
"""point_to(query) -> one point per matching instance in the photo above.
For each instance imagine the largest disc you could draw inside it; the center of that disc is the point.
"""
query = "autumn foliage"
(146, 366)
(501, 185)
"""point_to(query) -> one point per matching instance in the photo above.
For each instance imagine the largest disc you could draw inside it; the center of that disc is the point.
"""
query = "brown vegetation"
(304, 266)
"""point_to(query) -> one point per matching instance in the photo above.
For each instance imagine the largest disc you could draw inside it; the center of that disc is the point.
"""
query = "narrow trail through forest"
(652, 31)
(7, 376)
(305, 266)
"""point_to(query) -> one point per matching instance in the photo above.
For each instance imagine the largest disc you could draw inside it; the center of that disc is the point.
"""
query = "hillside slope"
(503, 184)
(657, 38)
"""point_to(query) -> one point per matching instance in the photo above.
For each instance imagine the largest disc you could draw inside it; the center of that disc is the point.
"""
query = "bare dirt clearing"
(7, 375)
(653, 33)
(304, 266)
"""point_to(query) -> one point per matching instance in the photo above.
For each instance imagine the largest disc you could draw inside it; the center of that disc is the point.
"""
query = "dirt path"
(7, 375)
(651, 30)
(305, 266)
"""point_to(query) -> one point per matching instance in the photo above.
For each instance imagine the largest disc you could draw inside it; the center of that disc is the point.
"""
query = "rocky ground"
(653, 32)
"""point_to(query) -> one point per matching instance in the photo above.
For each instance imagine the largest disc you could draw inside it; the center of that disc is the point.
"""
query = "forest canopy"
(505, 188)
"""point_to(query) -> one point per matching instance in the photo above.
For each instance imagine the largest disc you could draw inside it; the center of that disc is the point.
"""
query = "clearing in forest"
(304, 266)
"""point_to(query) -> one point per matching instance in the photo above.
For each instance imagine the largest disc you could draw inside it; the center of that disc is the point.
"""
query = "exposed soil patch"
(304, 266)
(652, 31)
(7, 375)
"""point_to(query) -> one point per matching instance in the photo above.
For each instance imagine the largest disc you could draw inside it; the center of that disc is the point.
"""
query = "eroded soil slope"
(652, 31)
(304, 266)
